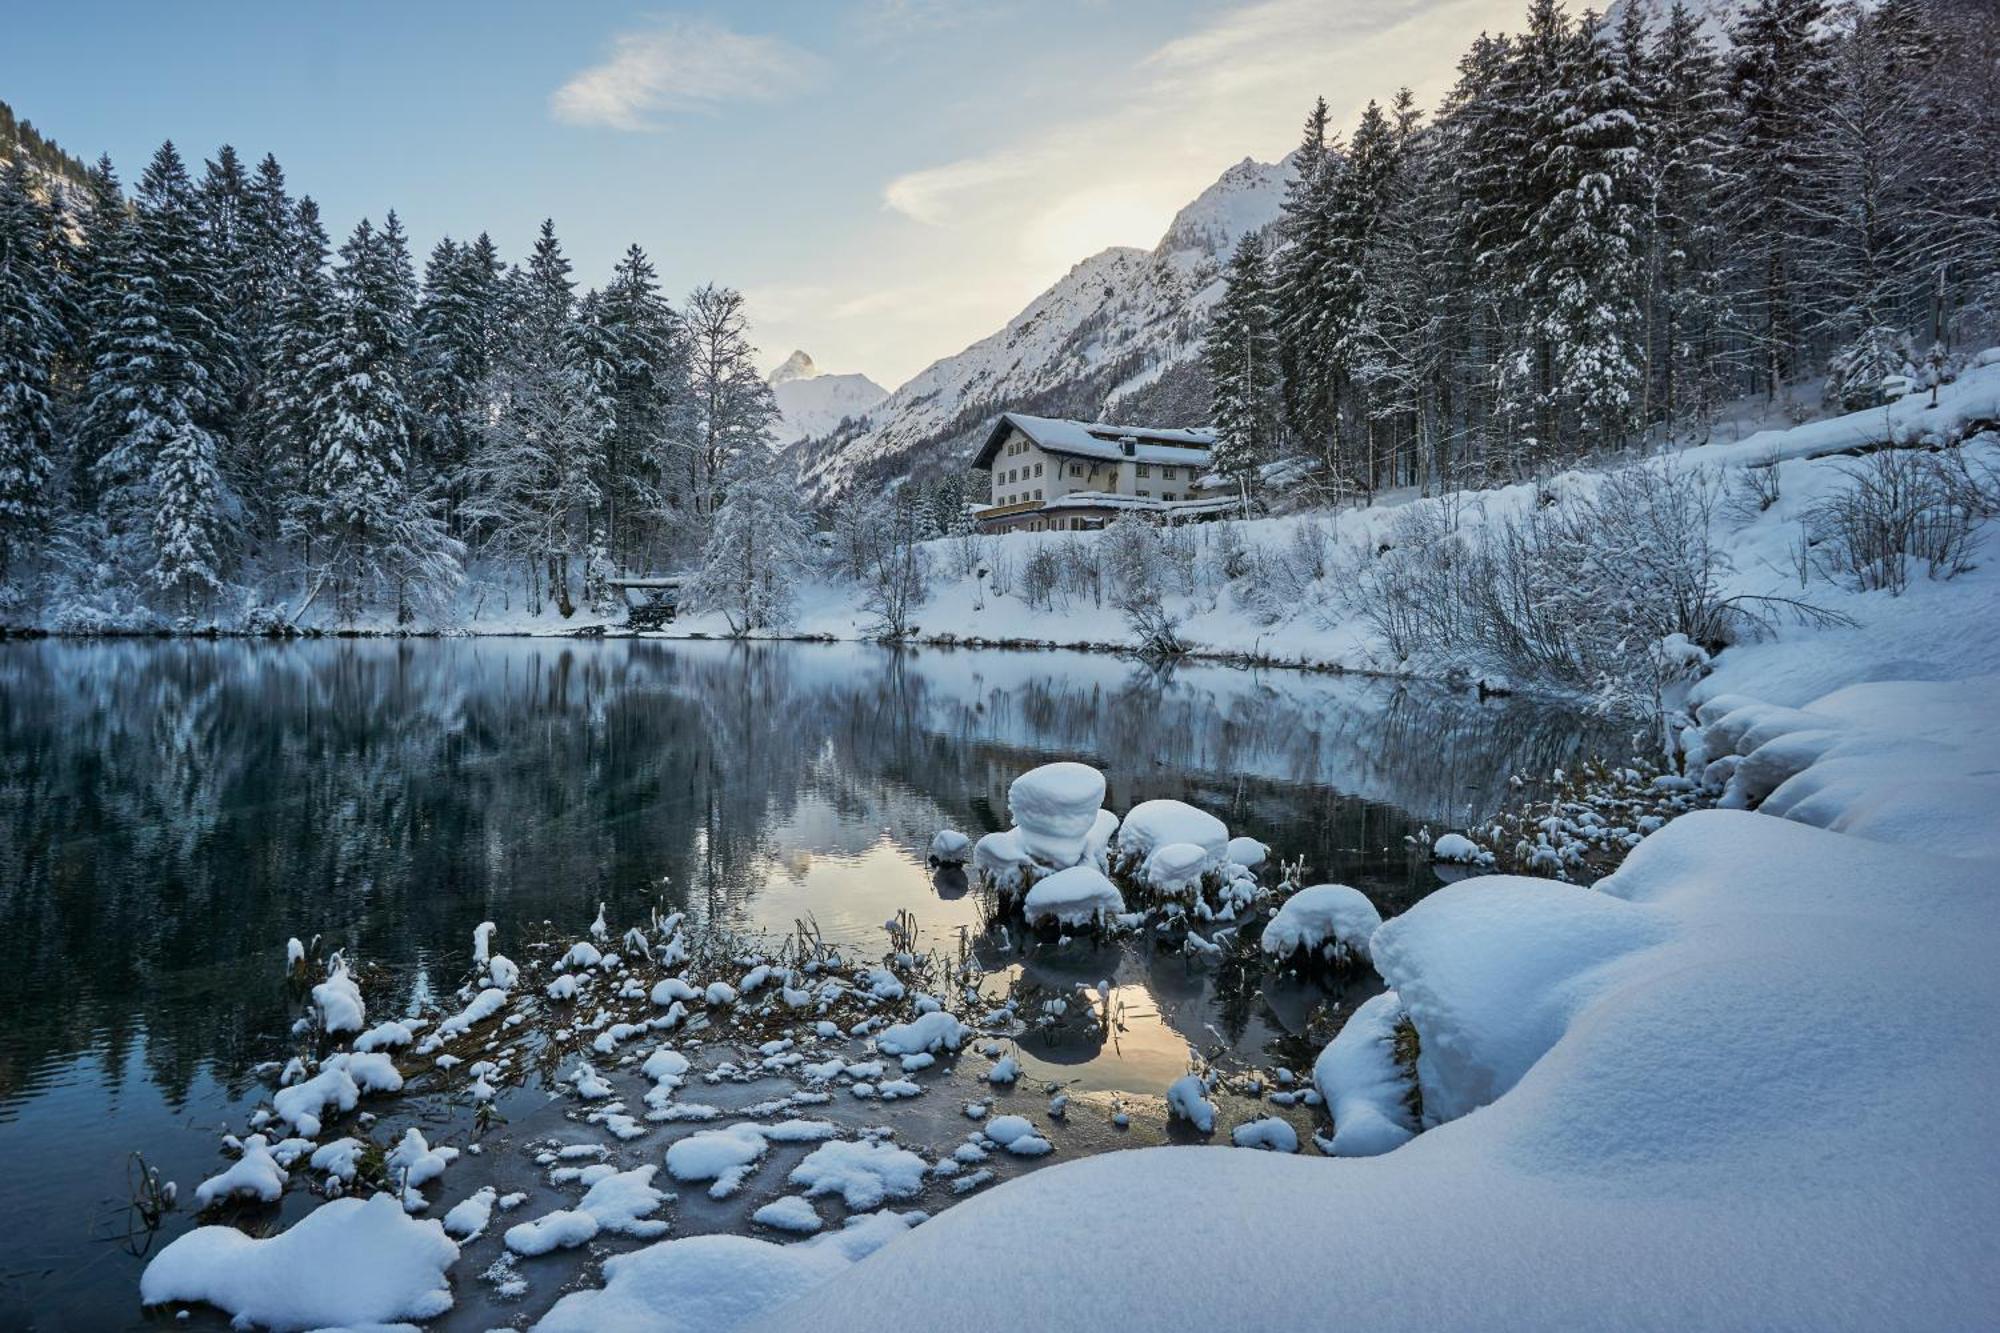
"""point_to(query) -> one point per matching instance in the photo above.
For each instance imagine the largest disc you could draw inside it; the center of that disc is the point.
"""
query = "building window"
(1038, 492)
(1147, 494)
(1038, 469)
(1167, 474)
(1076, 469)
(1169, 495)
(1144, 471)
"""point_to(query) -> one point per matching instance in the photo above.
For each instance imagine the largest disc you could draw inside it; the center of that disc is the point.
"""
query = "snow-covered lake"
(171, 812)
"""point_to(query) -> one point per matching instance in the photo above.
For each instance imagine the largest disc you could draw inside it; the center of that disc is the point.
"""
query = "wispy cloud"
(680, 65)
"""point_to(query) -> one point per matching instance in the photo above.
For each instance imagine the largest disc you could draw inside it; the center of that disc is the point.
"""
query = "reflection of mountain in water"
(170, 812)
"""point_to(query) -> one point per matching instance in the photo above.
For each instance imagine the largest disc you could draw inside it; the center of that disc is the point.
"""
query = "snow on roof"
(1106, 500)
(1096, 439)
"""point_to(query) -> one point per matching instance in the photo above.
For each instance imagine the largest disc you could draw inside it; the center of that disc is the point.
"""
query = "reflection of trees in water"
(171, 811)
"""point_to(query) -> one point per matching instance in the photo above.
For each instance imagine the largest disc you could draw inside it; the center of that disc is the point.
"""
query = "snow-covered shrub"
(1413, 593)
(1857, 371)
(898, 581)
(1906, 506)
(1041, 578)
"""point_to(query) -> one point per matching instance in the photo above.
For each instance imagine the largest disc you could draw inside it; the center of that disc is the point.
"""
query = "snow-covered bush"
(1906, 506)
(752, 560)
(1856, 373)
(897, 584)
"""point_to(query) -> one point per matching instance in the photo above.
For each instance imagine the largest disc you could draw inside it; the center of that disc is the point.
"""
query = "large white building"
(1054, 475)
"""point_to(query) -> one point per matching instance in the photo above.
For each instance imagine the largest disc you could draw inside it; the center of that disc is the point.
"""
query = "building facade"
(1050, 474)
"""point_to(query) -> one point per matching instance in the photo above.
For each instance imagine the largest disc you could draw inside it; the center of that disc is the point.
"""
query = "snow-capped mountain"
(814, 403)
(1119, 334)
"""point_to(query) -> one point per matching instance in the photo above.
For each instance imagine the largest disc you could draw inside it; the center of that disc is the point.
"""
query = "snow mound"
(1246, 852)
(1491, 971)
(949, 847)
(790, 1213)
(254, 1175)
(351, 1261)
(725, 1156)
(1155, 824)
(1077, 896)
(931, 1032)
(1329, 921)
(1003, 860)
(1174, 870)
(864, 1174)
(1456, 847)
(338, 1000)
(1271, 1134)
(1187, 1099)
(1054, 809)
(1361, 1084)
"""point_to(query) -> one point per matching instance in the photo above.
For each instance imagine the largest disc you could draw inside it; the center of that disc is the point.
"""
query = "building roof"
(1097, 440)
(1104, 501)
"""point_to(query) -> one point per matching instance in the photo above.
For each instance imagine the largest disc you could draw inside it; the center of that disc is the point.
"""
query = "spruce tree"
(31, 340)
(1241, 355)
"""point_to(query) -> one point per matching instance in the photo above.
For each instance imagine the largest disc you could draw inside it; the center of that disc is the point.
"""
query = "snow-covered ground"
(1316, 622)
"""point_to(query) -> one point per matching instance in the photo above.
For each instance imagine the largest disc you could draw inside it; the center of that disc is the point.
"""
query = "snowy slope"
(814, 402)
(1123, 326)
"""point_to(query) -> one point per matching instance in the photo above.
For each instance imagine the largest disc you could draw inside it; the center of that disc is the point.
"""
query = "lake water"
(171, 812)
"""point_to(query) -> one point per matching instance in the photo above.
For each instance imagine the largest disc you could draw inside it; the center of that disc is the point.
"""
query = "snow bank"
(1491, 971)
(725, 1156)
(350, 1261)
(931, 1032)
(1763, 1099)
(1077, 896)
(1330, 921)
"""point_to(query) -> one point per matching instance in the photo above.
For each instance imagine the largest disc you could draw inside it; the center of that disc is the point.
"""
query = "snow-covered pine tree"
(359, 428)
(1299, 290)
(733, 407)
(651, 414)
(535, 480)
(154, 386)
(757, 546)
(1588, 275)
(1241, 354)
(452, 358)
(1686, 151)
(1782, 78)
(31, 340)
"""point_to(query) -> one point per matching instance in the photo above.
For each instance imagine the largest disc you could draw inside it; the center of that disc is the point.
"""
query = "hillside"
(1120, 333)
(20, 136)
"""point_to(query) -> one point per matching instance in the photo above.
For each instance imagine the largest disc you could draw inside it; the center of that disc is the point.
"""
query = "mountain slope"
(1122, 330)
(814, 403)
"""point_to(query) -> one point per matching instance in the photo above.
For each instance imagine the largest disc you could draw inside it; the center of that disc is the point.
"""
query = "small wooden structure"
(649, 602)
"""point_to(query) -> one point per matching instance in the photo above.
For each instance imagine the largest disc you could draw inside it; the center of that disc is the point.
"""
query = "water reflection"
(171, 812)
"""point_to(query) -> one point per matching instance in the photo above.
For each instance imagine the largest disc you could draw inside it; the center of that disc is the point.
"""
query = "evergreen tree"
(31, 340)
(455, 324)
(1782, 78)
(155, 384)
(1241, 353)
(651, 408)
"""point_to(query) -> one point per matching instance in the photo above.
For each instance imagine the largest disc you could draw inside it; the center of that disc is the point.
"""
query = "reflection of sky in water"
(170, 812)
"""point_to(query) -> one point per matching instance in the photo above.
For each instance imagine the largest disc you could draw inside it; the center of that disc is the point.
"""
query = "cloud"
(931, 196)
(679, 65)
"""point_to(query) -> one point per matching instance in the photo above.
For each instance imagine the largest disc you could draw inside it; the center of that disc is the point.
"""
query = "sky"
(887, 181)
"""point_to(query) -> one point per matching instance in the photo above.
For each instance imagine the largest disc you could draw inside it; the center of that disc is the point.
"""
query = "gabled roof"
(1096, 440)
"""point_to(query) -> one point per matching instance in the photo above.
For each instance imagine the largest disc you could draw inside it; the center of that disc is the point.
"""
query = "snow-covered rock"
(1155, 824)
(949, 847)
(1332, 922)
(1054, 808)
(348, 1262)
(1187, 1099)
(1078, 896)
(1458, 848)
(1174, 870)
